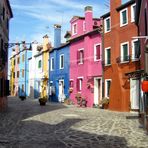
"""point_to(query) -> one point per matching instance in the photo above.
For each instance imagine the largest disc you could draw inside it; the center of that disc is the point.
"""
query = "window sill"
(124, 62)
(122, 25)
(80, 63)
(61, 68)
(107, 31)
(134, 60)
(108, 64)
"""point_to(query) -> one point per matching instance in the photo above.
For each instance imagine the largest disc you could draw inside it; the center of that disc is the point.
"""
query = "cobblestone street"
(26, 124)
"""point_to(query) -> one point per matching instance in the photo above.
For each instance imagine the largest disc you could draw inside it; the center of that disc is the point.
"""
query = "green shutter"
(125, 53)
(108, 56)
(124, 17)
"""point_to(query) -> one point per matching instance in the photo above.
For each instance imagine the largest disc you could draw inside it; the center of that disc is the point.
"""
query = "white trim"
(106, 86)
(99, 89)
(74, 33)
(133, 50)
(121, 17)
(61, 61)
(80, 77)
(71, 80)
(121, 51)
(132, 13)
(106, 56)
(105, 24)
(51, 68)
(82, 49)
(95, 52)
(80, 83)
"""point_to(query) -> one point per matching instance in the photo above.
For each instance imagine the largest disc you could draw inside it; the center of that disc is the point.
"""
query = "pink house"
(17, 70)
(85, 58)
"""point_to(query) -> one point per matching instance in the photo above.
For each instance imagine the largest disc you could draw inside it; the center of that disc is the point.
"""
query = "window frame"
(106, 87)
(52, 64)
(80, 84)
(84, 26)
(74, 32)
(133, 50)
(95, 55)
(23, 57)
(121, 51)
(132, 12)
(62, 55)
(121, 17)
(105, 24)
(108, 48)
(80, 60)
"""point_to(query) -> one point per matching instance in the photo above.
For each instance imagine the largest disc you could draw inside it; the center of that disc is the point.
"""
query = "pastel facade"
(5, 16)
(59, 68)
(121, 56)
(23, 73)
(12, 73)
(86, 58)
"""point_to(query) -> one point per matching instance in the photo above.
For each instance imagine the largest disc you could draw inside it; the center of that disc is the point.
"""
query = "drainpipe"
(103, 59)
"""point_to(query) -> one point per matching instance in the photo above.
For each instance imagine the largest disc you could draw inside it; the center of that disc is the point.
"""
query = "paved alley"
(26, 124)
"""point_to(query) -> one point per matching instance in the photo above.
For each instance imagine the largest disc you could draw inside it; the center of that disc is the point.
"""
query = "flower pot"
(42, 101)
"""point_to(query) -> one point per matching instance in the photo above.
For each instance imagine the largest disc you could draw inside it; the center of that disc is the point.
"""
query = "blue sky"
(35, 18)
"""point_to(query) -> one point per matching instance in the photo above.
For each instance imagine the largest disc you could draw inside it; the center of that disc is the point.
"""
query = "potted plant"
(78, 97)
(70, 90)
(105, 103)
(83, 102)
(43, 101)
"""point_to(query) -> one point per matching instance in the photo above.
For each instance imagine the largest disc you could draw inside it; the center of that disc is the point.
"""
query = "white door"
(61, 91)
(97, 87)
(134, 94)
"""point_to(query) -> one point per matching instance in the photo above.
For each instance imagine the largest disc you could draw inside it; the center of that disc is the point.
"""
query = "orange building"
(121, 55)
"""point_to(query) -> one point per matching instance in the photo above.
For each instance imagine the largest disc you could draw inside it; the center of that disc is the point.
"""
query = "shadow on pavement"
(35, 134)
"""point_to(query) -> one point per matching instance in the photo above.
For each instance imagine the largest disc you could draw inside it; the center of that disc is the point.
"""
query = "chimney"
(57, 35)
(88, 18)
(45, 42)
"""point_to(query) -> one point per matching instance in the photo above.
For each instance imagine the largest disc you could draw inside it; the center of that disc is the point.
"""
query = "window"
(61, 61)
(14, 61)
(71, 83)
(107, 23)
(22, 87)
(97, 52)
(107, 56)
(18, 60)
(125, 52)
(52, 64)
(107, 87)
(18, 74)
(84, 26)
(3, 13)
(23, 73)
(123, 17)
(39, 64)
(135, 49)
(133, 11)
(1, 49)
(74, 29)
(80, 56)
(79, 83)
(14, 75)
(23, 58)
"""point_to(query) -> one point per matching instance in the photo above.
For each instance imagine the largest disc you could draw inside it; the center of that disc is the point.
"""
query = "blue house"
(59, 68)
(23, 74)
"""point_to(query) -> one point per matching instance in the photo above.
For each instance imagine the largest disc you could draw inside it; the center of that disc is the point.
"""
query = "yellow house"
(45, 74)
(12, 75)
